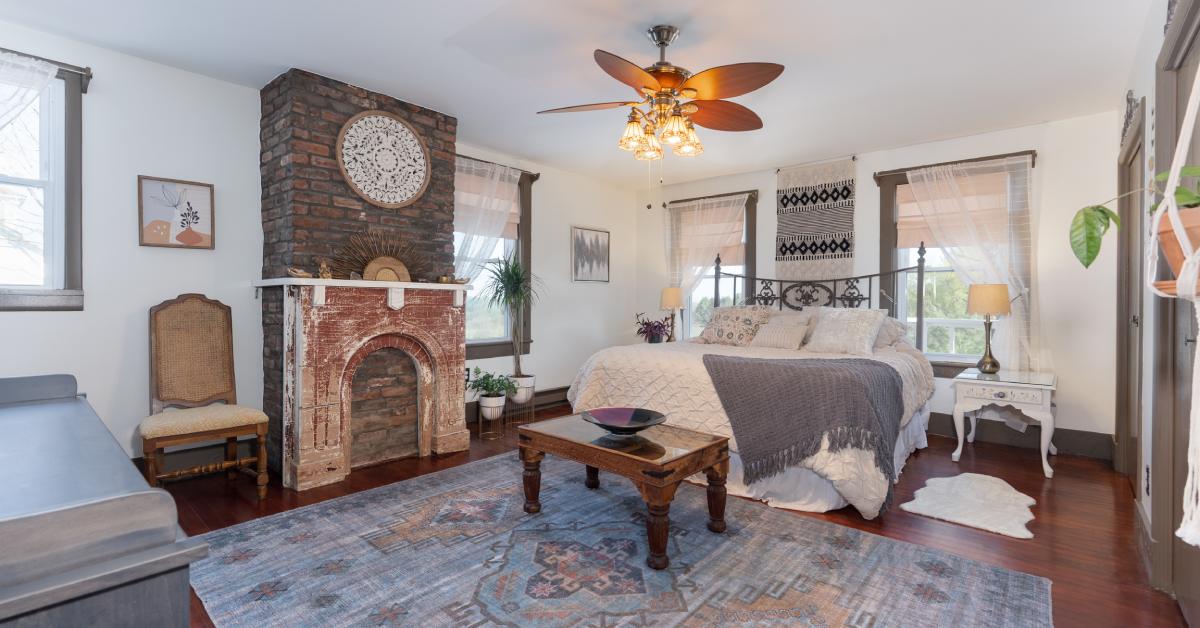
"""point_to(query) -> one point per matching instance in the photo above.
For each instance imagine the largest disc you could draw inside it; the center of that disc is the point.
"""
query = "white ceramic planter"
(524, 392)
(491, 408)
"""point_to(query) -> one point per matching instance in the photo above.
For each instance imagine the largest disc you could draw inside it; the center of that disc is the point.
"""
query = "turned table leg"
(593, 478)
(658, 523)
(716, 495)
(532, 478)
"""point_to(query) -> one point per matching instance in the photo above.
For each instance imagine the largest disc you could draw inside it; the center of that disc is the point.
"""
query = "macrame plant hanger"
(1185, 288)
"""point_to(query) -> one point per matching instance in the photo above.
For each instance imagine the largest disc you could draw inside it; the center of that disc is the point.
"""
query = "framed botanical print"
(589, 254)
(175, 214)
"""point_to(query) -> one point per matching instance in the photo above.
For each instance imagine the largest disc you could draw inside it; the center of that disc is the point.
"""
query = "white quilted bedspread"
(671, 378)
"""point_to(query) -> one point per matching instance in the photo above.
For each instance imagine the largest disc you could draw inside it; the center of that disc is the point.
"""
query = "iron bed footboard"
(837, 292)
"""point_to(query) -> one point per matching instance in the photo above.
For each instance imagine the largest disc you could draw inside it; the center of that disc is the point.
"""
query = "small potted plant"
(652, 330)
(513, 287)
(492, 389)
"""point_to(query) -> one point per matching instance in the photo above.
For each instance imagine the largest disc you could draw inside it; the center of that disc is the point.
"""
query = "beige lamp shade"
(672, 299)
(988, 298)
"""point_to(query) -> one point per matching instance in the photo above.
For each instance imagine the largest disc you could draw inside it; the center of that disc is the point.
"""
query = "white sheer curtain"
(697, 231)
(487, 208)
(978, 213)
(22, 79)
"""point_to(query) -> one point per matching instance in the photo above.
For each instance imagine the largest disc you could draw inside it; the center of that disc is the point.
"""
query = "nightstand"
(1031, 394)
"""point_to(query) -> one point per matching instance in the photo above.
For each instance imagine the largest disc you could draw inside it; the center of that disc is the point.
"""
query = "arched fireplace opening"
(384, 408)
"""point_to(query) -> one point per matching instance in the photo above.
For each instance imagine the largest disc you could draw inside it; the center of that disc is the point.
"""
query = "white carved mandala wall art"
(383, 159)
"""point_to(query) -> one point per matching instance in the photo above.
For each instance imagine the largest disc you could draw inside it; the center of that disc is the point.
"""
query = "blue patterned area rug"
(455, 548)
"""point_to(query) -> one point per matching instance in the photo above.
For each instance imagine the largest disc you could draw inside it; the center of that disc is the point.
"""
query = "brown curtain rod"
(84, 73)
(1031, 153)
(752, 193)
(535, 175)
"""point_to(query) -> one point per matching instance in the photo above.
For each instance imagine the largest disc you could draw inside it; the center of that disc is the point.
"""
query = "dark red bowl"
(623, 421)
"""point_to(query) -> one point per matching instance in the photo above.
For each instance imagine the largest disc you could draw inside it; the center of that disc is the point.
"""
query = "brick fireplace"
(317, 333)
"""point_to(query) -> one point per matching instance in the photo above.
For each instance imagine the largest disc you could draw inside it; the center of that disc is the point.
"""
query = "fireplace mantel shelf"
(358, 283)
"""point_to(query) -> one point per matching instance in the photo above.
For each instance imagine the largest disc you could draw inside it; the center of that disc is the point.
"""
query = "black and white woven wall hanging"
(814, 237)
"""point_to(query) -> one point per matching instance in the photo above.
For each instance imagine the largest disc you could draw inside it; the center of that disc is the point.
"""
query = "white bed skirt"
(801, 489)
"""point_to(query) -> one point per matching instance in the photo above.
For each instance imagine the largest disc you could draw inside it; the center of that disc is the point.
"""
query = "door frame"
(1126, 450)
(1178, 43)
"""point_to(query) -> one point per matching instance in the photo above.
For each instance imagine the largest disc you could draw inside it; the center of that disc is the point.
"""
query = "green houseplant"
(492, 389)
(1091, 223)
(512, 287)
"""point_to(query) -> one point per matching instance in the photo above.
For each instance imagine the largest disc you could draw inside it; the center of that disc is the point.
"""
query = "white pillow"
(776, 335)
(846, 330)
(890, 333)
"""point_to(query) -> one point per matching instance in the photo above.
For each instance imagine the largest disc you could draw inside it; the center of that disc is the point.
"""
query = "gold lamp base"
(988, 364)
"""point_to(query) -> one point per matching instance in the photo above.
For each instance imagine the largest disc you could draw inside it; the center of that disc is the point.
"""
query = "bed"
(672, 378)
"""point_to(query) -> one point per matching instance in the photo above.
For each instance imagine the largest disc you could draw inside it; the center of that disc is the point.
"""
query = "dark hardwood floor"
(1083, 527)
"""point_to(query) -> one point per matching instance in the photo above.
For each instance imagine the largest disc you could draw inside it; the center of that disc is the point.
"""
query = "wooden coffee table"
(657, 459)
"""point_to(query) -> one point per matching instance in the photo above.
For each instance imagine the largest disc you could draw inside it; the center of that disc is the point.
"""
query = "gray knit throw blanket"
(782, 410)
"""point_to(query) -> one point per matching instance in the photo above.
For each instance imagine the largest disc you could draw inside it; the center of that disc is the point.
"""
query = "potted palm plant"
(491, 389)
(512, 287)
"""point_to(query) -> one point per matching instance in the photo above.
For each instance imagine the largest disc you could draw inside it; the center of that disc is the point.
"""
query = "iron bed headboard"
(839, 292)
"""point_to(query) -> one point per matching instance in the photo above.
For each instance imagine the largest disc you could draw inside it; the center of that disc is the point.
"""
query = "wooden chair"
(191, 367)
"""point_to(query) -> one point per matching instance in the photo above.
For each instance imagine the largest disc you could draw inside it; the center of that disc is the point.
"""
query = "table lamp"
(671, 299)
(989, 299)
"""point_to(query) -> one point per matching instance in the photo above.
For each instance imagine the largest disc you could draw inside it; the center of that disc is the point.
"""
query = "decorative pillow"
(890, 333)
(778, 335)
(735, 325)
(846, 330)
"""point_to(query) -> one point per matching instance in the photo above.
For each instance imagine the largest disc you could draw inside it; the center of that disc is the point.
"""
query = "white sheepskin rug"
(979, 501)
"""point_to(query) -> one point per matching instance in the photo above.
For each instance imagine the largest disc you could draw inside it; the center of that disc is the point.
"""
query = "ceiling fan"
(663, 89)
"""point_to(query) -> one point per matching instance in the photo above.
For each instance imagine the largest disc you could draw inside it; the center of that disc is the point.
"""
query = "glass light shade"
(675, 131)
(651, 149)
(691, 146)
(633, 137)
(988, 298)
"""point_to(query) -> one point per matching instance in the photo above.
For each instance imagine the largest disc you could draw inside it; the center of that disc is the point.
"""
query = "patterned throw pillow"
(735, 326)
(776, 335)
(846, 330)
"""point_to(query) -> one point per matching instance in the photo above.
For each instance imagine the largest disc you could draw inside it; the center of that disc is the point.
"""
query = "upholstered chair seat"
(217, 416)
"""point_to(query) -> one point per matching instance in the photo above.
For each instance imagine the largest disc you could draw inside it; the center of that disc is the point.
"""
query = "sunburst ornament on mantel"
(383, 159)
(381, 257)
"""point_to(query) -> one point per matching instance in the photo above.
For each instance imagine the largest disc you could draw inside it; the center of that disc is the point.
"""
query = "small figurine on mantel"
(296, 272)
(324, 271)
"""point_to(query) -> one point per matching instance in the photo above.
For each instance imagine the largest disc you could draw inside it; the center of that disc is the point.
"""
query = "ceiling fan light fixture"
(651, 149)
(691, 146)
(675, 131)
(634, 137)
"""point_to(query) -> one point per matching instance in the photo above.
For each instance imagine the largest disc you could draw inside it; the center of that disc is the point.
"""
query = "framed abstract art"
(175, 214)
(589, 254)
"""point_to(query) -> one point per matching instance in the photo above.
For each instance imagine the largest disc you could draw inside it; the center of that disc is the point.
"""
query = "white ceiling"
(860, 75)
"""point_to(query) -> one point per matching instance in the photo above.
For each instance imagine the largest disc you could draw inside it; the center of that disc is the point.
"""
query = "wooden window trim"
(70, 296)
(501, 348)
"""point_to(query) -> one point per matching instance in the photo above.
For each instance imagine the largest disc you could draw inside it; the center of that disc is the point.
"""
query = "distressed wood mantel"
(329, 327)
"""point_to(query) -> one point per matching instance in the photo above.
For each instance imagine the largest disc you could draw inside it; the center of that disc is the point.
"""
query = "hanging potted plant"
(511, 286)
(491, 389)
(652, 331)
(1091, 223)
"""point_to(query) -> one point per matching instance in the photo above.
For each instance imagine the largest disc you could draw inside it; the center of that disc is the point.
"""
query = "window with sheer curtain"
(38, 261)
(697, 230)
(975, 221)
(488, 208)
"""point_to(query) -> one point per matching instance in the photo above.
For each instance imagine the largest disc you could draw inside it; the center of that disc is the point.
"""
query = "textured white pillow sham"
(846, 330)
(776, 335)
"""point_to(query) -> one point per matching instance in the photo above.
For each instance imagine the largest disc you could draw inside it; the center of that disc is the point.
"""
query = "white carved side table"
(1031, 394)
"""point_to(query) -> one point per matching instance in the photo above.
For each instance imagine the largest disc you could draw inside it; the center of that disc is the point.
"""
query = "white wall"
(144, 118)
(573, 320)
(1075, 167)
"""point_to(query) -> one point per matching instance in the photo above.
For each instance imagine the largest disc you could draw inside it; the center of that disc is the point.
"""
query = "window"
(493, 208)
(973, 219)
(700, 229)
(40, 265)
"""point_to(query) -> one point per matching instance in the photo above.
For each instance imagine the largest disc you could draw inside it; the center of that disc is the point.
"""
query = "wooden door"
(1130, 286)
(1178, 64)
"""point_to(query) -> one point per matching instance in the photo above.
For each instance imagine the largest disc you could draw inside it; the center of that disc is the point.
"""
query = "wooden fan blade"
(722, 115)
(596, 106)
(727, 81)
(626, 72)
